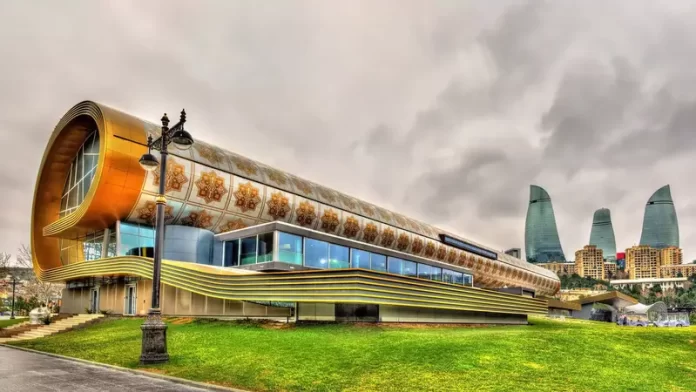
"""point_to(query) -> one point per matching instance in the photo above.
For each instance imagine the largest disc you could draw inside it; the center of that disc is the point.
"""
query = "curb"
(176, 380)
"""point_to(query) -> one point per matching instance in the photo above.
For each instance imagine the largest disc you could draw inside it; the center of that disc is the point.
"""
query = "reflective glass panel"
(81, 173)
(231, 253)
(395, 266)
(424, 271)
(410, 268)
(248, 251)
(265, 251)
(316, 253)
(338, 256)
(436, 273)
(360, 259)
(378, 262)
(289, 248)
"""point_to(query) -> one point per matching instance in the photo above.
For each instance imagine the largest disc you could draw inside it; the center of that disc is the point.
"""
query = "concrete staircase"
(53, 328)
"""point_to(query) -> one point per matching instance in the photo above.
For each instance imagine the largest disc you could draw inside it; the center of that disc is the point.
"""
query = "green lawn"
(546, 356)
(6, 323)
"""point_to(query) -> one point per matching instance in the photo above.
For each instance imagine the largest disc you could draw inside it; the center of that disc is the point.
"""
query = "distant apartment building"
(643, 262)
(559, 269)
(610, 271)
(589, 262)
(671, 256)
(678, 270)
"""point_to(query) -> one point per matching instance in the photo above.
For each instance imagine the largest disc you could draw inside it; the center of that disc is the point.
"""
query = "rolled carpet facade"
(213, 189)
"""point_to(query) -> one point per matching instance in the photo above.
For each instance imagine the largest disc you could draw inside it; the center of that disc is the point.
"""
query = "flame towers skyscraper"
(660, 226)
(541, 240)
(602, 234)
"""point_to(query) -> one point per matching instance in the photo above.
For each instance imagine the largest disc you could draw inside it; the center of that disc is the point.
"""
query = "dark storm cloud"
(446, 111)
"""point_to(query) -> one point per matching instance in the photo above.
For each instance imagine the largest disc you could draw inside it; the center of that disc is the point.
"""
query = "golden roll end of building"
(114, 187)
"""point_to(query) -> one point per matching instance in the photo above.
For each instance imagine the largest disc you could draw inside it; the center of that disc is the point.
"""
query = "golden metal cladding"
(115, 188)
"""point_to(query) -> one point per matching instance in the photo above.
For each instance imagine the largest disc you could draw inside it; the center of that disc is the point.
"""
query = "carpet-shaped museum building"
(247, 240)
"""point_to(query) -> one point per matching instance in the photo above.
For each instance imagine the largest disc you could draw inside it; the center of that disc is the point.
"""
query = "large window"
(395, 266)
(136, 239)
(289, 248)
(360, 259)
(339, 256)
(230, 256)
(378, 262)
(81, 174)
(316, 253)
(265, 248)
(88, 247)
(248, 250)
(410, 268)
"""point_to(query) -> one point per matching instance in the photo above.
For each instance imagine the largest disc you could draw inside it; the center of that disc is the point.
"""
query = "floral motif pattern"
(388, 237)
(232, 224)
(417, 247)
(370, 233)
(329, 221)
(400, 220)
(208, 153)
(441, 252)
(403, 242)
(351, 227)
(247, 197)
(451, 255)
(245, 165)
(348, 202)
(303, 186)
(276, 176)
(148, 212)
(429, 249)
(367, 209)
(176, 176)
(384, 214)
(327, 194)
(201, 219)
(279, 206)
(211, 187)
(305, 214)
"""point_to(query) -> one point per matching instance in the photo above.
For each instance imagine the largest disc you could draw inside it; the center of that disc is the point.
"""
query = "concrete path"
(22, 371)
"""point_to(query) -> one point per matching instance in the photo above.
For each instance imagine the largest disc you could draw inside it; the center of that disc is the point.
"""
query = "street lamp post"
(154, 344)
(13, 279)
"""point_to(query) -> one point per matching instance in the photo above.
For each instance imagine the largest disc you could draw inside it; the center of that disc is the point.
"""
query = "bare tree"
(4, 264)
(23, 258)
(34, 287)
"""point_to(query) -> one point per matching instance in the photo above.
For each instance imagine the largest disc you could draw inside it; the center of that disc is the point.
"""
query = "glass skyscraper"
(602, 234)
(541, 241)
(660, 226)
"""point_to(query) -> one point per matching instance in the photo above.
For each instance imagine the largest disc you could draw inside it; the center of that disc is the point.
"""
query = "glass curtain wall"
(81, 174)
(136, 240)
(324, 255)
(88, 247)
(249, 250)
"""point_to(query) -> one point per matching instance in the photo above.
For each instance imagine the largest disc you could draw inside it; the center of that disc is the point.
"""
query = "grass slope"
(546, 356)
(7, 322)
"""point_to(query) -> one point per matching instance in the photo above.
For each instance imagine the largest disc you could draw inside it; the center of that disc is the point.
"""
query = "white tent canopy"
(658, 307)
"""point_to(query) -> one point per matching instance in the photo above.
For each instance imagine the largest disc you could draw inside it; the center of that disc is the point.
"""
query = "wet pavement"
(22, 371)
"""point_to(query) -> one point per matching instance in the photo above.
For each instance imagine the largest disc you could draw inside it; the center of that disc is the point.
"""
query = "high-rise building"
(660, 226)
(671, 256)
(589, 262)
(541, 241)
(602, 234)
(643, 262)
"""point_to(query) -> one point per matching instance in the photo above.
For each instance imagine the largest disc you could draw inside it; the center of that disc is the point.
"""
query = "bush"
(692, 318)
(46, 320)
(88, 310)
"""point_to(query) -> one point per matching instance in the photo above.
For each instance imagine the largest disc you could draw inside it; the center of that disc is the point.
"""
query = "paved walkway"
(22, 371)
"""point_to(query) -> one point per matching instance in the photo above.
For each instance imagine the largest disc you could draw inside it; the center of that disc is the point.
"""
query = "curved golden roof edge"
(113, 190)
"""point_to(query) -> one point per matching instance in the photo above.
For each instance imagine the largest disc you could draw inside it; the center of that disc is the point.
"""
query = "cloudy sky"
(443, 110)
